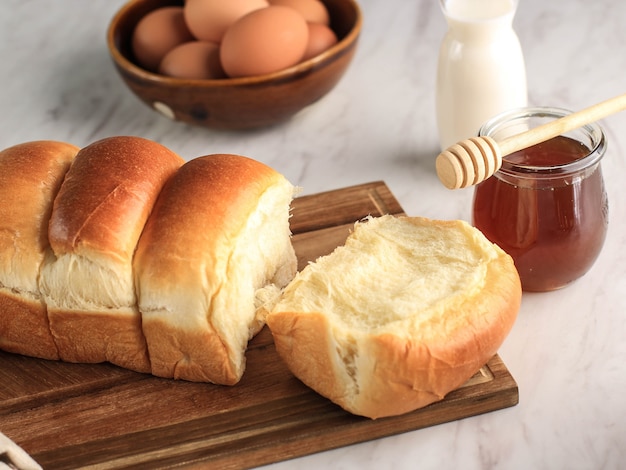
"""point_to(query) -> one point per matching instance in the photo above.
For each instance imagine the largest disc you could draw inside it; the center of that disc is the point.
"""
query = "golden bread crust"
(207, 362)
(107, 196)
(24, 327)
(30, 176)
(88, 336)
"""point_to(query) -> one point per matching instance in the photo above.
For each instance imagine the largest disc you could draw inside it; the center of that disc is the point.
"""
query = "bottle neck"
(478, 10)
(479, 19)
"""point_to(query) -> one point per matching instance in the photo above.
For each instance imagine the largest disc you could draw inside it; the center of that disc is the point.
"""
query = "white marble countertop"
(567, 350)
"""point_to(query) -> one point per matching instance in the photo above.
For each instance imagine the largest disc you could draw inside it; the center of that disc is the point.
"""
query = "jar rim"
(593, 131)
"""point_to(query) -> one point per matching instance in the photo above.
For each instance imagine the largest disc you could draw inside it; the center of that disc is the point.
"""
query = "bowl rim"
(285, 74)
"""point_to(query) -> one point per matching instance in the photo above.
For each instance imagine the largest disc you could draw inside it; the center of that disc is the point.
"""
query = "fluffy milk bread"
(405, 312)
(97, 218)
(30, 176)
(217, 243)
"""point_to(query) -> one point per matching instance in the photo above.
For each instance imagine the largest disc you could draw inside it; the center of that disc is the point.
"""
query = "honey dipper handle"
(562, 125)
(475, 159)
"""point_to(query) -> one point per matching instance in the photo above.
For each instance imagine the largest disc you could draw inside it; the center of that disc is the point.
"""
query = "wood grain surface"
(101, 416)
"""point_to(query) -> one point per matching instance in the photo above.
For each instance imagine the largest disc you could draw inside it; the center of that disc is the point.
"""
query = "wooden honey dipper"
(473, 160)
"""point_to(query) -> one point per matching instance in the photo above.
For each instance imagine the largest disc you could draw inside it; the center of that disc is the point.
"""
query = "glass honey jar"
(547, 205)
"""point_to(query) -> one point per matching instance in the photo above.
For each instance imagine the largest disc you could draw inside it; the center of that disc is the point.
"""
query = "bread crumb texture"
(393, 272)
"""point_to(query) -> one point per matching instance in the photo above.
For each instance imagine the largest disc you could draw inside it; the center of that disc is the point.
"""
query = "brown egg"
(321, 38)
(313, 11)
(157, 33)
(195, 60)
(264, 41)
(209, 19)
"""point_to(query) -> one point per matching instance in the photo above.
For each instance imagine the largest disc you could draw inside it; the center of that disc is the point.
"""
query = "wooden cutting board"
(99, 415)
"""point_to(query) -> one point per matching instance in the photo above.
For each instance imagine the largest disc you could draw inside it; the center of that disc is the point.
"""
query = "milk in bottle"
(481, 69)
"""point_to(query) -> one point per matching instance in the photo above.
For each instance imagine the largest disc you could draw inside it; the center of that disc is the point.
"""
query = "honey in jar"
(547, 206)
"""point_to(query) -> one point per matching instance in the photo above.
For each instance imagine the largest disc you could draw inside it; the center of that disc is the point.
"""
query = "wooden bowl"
(235, 103)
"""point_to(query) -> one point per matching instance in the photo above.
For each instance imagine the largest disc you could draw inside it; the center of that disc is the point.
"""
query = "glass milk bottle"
(481, 69)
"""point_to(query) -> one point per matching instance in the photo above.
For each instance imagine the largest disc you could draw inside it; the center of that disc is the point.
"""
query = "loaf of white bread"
(121, 251)
(405, 312)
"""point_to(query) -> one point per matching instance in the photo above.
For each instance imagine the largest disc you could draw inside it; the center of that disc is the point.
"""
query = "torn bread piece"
(405, 312)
